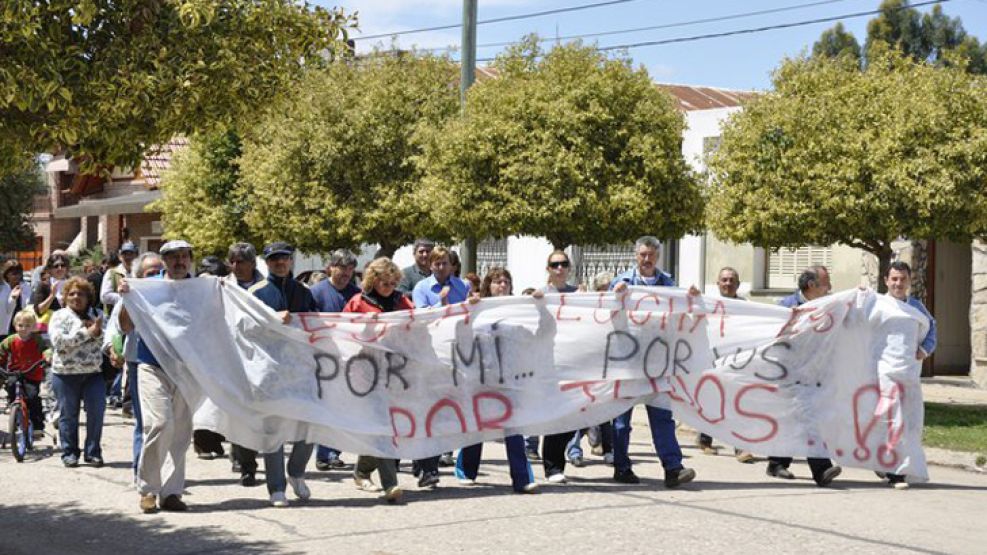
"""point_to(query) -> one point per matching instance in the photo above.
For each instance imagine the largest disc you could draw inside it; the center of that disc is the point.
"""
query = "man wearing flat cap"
(167, 416)
(285, 296)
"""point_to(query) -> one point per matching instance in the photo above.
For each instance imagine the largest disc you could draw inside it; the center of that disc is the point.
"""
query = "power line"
(657, 27)
(498, 19)
(751, 30)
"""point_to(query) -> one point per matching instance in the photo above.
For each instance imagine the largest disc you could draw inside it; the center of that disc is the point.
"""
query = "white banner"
(834, 378)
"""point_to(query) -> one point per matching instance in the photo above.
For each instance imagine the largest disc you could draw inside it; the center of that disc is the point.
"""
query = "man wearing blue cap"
(284, 295)
(166, 414)
(108, 292)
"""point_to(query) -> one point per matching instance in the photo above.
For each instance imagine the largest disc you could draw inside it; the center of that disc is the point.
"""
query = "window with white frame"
(784, 265)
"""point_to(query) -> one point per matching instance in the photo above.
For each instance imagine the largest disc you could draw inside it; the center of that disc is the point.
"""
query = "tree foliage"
(933, 37)
(835, 154)
(565, 144)
(837, 42)
(103, 79)
(17, 191)
(333, 164)
(202, 200)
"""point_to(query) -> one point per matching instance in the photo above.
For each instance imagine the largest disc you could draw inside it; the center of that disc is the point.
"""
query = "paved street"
(50, 509)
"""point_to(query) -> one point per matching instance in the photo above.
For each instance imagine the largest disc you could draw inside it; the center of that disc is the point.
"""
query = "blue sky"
(736, 62)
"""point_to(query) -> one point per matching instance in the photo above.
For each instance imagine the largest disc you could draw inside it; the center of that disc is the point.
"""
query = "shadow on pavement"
(67, 528)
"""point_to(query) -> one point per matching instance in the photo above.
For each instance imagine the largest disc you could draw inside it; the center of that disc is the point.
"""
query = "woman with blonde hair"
(380, 294)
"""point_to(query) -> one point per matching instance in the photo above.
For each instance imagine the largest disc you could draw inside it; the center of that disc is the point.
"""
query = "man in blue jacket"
(284, 295)
(813, 283)
(646, 273)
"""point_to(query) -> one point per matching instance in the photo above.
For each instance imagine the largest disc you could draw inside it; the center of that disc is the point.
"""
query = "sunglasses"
(559, 264)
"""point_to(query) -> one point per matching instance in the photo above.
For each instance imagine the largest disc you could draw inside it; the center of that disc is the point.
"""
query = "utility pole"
(468, 63)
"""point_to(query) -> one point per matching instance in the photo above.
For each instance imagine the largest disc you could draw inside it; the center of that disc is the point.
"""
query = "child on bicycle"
(21, 351)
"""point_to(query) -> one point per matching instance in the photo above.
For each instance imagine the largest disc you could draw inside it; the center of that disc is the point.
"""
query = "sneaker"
(557, 478)
(365, 484)
(608, 459)
(532, 455)
(324, 466)
(829, 475)
(248, 480)
(300, 488)
(780, 472)
(577, 461)
(883, 476)
(70, 461)
(279, 500)
(597, 450)
(428, 480)
(173, 503)
(625, 476)
(710, 450)
(447, 460)
(393, 494)
(205, 455)
(531, 487)
(745, 457)
(149, 503)
(900, 485)
(95, 461)
(336, 463)
(675, 478)
(464, 481)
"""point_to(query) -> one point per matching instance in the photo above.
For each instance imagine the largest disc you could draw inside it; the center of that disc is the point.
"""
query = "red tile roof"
(157, 159)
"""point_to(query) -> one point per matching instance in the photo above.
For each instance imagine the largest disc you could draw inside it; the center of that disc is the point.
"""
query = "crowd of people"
(97, 359)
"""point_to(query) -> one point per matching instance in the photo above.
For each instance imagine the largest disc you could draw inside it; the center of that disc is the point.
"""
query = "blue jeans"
(468, 462)
(604, 432)
(662, 435)
(135, 401)
(326, 454)
(274, 465)
(116, 388)
(531, 444)
(72, 390)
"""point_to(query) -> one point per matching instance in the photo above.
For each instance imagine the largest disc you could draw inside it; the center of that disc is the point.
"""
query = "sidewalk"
(958, 390)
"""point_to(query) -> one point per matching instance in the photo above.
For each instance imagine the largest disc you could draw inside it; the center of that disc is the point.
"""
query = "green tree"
(102, 79)
(837, 42)
(838, 155)
(332, 166)
(202, 200)
(566, 144)
(929, 37)
(17, 191)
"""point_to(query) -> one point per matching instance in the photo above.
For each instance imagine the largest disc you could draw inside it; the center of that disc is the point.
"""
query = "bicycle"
(20, 429)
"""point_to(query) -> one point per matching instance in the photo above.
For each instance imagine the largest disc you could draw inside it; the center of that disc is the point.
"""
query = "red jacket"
(363, 303)
(20, 355)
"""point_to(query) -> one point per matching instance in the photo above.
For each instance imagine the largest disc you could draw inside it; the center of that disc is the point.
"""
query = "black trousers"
(207, 441)
(817, 466)
(247, 459)
(553, 452)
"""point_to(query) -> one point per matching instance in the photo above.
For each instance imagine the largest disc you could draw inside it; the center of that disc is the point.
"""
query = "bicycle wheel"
(20, 434)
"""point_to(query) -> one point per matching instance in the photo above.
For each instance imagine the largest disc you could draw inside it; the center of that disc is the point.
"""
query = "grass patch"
(956, 427)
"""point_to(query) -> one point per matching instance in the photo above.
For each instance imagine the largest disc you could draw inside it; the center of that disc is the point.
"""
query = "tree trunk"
(386, 249)
(883, 264)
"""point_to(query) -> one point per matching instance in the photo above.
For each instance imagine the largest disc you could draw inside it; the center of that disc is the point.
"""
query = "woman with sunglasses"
(498, 283)
(553, 452)
(58, 270)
